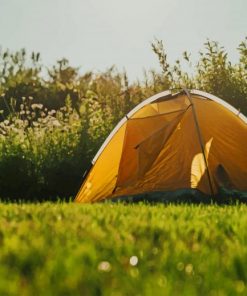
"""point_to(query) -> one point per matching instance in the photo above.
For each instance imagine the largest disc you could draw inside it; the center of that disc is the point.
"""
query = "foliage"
(213, 73)
(54, 120)
(157, 250)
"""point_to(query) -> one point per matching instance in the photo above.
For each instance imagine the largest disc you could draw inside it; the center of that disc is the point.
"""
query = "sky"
(96, 34)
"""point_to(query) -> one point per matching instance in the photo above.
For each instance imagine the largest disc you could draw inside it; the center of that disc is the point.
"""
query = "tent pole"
(200, 139)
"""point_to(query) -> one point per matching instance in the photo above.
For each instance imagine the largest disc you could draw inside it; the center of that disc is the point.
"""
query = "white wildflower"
(133, 260)
(37, 106)
(104, 266)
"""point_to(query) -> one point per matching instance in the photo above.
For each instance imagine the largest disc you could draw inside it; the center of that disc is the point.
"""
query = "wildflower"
(104, 266)
(133, 260)
(56, 123)
(52, 112)
(37, 106)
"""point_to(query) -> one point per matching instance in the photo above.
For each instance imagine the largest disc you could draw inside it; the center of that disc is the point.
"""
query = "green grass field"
(115, 249)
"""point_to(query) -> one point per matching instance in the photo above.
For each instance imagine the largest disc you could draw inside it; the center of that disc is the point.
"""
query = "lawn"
(116, 249)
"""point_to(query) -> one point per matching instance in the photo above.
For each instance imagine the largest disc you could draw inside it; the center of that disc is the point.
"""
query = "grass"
(114, 249)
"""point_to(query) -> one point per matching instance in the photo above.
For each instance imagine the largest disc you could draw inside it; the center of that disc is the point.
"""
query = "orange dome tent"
(189, 139)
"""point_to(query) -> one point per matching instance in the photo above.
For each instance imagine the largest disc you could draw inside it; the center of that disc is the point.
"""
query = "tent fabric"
(171, 142)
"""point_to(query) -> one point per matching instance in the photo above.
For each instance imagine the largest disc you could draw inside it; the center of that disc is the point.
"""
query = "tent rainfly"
(171, 141)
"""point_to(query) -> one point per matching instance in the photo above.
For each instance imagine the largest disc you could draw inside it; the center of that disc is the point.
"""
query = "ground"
(116, 249)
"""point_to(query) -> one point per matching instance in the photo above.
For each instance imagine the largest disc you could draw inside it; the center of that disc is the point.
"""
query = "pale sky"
(95, 34)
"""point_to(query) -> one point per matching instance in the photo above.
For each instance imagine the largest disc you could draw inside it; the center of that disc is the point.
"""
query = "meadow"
(52, 122)
(117, 249)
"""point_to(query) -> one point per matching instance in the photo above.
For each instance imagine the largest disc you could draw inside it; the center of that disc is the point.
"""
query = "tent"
(171, 141)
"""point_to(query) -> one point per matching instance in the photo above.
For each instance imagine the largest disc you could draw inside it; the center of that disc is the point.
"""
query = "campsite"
(123, 148)
(62, 248)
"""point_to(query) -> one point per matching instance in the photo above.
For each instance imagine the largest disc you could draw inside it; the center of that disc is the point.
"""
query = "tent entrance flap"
(144, 139)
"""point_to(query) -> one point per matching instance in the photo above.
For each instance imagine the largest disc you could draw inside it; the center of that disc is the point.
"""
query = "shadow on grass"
(186, 196)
